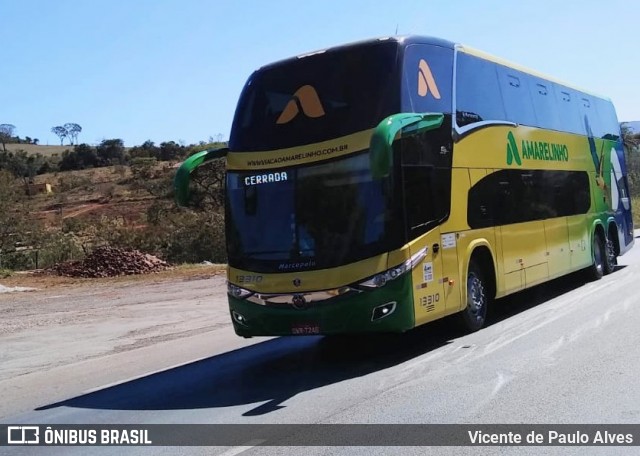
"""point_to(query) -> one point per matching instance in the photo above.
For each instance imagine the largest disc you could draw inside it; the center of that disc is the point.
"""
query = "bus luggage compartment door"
(524, 250)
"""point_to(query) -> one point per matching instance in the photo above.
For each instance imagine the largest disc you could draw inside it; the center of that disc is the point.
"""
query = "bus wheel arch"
(480, 289)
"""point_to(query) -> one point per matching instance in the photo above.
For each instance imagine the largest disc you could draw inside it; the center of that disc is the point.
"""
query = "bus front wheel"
(475, 314)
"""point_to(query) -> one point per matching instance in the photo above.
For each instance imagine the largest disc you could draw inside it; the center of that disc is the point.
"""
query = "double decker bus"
(382, 185)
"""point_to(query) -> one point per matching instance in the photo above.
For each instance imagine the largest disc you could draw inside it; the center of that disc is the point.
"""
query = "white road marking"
(240, 449)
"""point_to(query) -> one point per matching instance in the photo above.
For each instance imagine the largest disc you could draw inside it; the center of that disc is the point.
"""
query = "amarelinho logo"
(535, 150)
(426, 81)
(512, 150)
(306, 99)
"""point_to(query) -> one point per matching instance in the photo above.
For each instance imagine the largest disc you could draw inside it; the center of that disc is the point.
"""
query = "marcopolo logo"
(535, 150)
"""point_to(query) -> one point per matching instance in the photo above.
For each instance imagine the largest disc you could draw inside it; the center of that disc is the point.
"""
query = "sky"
(173, 69)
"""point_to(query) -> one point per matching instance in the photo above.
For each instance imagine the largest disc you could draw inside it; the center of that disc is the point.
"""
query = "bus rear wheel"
(474, 315)
(597, 269)
(610, 258)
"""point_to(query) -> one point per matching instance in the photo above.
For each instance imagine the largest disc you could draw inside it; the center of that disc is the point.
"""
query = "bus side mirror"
(392, 128)
(183, 176)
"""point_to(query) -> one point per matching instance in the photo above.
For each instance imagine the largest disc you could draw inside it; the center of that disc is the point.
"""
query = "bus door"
(425, 205)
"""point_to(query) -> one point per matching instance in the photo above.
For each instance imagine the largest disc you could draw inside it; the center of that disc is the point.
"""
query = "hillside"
(64, 215)
(47, 151)
(634, 125)
(87, 195)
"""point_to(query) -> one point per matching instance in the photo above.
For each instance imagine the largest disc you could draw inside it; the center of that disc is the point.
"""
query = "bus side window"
(418, 95)
(487, 201)
(504, 200)
(568, 111)
(515, 196)
(544, 105)
(478, 96)
(552, 188)
(517, 99)
(578, 184)
(589, 112)
(607, 115)
(427, 186)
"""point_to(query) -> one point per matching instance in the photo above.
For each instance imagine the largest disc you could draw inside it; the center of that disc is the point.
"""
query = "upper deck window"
(426, 79)
(316, 98)
(478, 95)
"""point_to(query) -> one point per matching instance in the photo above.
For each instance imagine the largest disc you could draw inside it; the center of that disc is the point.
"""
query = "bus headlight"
(238, 292)
(381, 279)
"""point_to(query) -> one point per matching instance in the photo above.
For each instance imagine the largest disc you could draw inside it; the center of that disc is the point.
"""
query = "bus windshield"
(315, 98)
(313, 217)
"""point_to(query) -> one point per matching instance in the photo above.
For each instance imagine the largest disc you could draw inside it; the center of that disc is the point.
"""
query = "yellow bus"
(381, 185)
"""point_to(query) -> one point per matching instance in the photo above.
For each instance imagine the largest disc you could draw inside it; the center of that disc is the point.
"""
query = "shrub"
(59, 247)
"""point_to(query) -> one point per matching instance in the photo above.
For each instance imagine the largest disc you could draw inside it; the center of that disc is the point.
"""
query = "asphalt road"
(564, 352)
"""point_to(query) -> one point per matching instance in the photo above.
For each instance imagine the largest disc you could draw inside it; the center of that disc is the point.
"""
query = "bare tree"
(60, 132)
(6, 133)
(209, 190)
(73, 129)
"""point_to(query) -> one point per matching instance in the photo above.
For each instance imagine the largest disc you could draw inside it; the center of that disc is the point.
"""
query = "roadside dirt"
(67, 320)
(42, 280)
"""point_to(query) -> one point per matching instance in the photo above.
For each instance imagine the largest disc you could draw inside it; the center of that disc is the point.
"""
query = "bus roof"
(419, 39)
(492, 58)
(343, 47)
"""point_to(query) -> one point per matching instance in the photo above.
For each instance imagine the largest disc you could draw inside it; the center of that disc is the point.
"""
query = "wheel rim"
(476, 296)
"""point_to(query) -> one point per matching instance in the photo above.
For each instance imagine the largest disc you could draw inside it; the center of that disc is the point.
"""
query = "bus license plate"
(305, 328)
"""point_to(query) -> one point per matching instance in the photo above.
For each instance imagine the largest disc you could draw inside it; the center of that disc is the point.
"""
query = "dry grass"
(47, 151)
(635, 210)
(43, 280)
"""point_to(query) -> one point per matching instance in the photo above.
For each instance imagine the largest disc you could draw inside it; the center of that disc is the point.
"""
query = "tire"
(596, 270)
(474, 315)
(610, 258)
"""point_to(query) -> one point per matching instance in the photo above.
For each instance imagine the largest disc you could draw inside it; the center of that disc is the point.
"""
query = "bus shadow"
(275, 370)
(523, 300)
(269, 372)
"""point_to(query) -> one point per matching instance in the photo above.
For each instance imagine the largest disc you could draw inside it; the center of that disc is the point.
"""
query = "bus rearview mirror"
(183, 176)
(394, 127)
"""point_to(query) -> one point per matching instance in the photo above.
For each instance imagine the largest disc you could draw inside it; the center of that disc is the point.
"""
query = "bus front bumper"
(386, 309)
